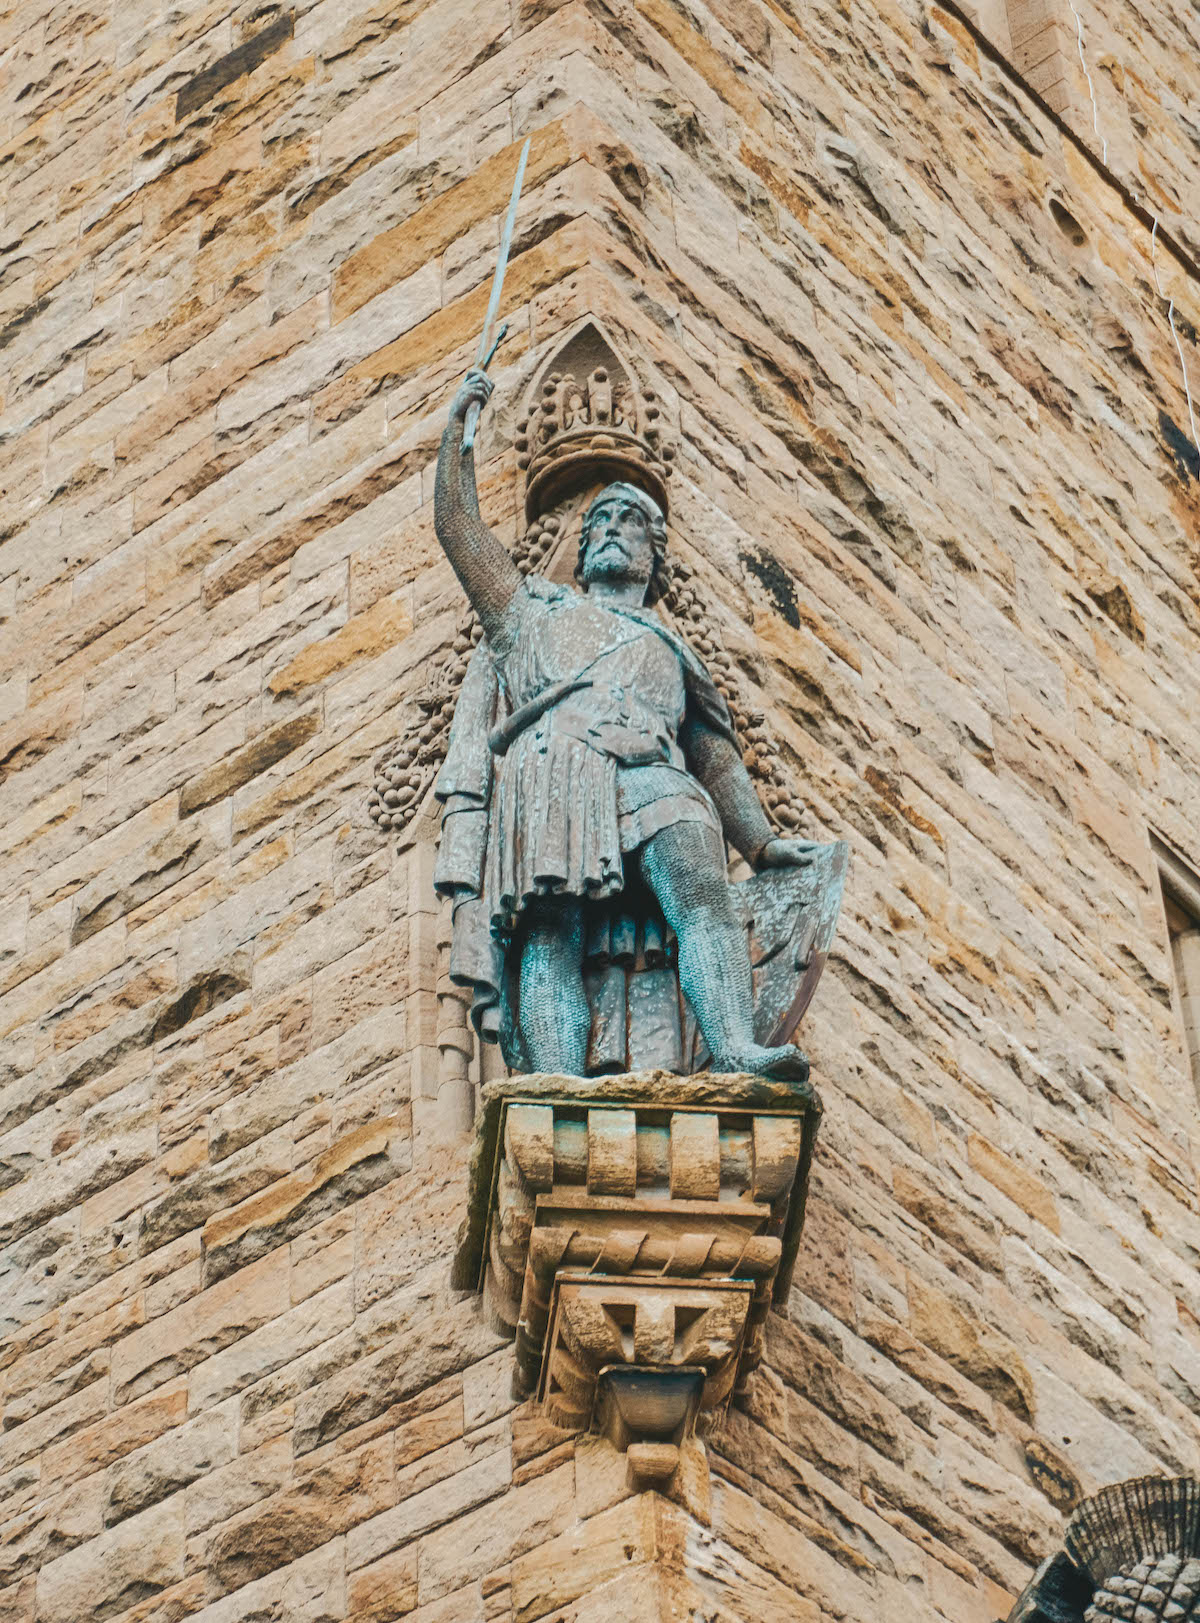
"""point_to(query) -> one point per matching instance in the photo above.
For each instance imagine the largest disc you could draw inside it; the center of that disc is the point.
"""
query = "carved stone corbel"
(630, 1233)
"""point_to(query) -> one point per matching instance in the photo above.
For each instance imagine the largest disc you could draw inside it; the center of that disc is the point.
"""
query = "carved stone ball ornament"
(1131, 1555)
(1168, 1588)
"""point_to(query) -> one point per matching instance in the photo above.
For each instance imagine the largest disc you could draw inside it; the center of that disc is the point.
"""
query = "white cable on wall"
(1091, 87)
(1169, 302)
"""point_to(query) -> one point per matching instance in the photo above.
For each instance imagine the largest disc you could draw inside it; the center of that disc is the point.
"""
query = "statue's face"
(619, 546)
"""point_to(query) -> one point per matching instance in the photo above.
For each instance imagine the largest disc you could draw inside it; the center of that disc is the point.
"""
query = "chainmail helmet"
(658, 534)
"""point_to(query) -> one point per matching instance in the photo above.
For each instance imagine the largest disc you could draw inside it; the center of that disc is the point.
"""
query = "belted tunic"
(599, 771)
(565, 756)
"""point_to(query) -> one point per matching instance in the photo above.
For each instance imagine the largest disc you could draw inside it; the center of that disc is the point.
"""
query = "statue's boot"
(783, 1064)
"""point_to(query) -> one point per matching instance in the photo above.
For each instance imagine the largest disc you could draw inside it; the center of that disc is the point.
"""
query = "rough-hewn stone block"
(262, 752)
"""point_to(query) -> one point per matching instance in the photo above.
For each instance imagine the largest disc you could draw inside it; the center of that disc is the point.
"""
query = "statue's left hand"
(783, 853)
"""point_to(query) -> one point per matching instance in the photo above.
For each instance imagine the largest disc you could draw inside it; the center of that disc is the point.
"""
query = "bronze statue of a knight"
(592, 781)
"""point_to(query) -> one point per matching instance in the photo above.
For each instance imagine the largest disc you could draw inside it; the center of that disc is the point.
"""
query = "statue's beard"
(612, 562)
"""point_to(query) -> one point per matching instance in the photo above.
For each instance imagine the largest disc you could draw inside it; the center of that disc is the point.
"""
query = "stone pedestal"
(630, 1232)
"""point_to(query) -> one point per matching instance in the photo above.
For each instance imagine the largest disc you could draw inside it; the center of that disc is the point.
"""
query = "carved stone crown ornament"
(590, 423)
(1131, 1552)
(586, 420)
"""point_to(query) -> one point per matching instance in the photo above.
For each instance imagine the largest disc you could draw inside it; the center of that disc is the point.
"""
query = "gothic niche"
(1132, 1551)
(588, 425)
(639, 1178)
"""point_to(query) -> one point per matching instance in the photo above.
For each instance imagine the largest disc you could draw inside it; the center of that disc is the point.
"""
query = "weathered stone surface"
(170, 1463)
(95, 1447)
(107, 1575)
(349, 1169)
(48, 1530)
(238, 769)
(279, 1530)
(583, 1559)
(200, 1327)
(385, 1590)
(235, 64)
(419, 1512)
(976, 1349)
(113, 894)
(937, 473)
(368, 634)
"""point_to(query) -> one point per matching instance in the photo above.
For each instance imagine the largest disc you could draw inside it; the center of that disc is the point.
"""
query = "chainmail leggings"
(684, 866)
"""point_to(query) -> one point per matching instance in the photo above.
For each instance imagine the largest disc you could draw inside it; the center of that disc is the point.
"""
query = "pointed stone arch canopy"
(587, 420)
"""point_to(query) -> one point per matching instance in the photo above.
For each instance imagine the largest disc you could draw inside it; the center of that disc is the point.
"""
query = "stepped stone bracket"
(630, 1233)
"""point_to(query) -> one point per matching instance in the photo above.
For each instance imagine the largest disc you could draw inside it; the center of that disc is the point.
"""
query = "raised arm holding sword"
(484, 358)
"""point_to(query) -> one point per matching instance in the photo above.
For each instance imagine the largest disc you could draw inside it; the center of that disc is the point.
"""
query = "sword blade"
(502, 259)
(483, 354)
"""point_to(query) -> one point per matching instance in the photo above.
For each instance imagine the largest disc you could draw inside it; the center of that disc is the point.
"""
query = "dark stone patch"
(106, 911)
(133, 1493)
(1187, 457)
(1052, 1475)
(29, 748)
(1059, 1593)
(356, 1181)
(95, 1064)
(196, 999)
(173, 856)
(191, 1204)
(14, 1167)
(1112, 598)
(263, 751)
(239, 62)
(132, 1595)
(31, 311)
(779, 586)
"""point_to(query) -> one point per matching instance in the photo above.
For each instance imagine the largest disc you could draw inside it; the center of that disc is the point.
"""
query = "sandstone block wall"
(936, 470)
(1122, 76)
